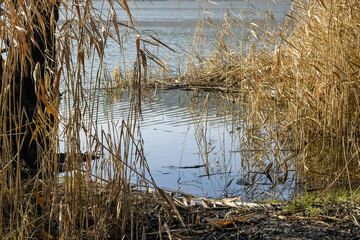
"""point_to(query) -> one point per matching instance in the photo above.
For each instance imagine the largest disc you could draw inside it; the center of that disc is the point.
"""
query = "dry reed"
(300, 85)
(105, 198)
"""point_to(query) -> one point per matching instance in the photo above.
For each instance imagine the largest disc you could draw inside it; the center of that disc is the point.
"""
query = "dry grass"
(301, 88)
(300, 85)
(101, 199)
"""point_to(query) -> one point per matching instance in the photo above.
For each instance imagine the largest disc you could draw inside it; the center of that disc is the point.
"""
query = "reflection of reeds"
(201, 132)
(301, 84)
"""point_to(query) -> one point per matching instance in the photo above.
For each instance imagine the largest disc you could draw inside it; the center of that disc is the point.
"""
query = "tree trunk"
(31, 111)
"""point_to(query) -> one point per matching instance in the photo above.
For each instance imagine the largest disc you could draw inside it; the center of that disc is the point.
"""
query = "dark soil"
(268, 221)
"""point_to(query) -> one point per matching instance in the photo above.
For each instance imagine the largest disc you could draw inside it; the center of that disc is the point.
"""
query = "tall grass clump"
(51, 186)
(300, 84)
(320, 65)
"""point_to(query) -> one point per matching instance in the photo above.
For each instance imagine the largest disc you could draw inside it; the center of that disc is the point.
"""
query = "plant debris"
(218, 219)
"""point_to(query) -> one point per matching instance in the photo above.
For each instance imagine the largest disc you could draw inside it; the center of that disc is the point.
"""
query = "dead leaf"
(218, 223)
(47, 235)
(168, 199)
(213, 222)
(40, 201)
(203, 203)
(197, 221)
(332, 218)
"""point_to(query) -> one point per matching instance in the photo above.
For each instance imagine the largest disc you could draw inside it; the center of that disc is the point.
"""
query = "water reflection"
(197, 142)
(325, 167)
(201, 143)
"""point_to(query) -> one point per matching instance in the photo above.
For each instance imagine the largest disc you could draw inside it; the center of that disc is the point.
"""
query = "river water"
(192, 140)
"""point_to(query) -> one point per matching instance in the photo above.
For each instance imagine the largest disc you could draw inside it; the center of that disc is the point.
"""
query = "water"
(193, 141)
(178, 130)
(174, 23)
(196, 142)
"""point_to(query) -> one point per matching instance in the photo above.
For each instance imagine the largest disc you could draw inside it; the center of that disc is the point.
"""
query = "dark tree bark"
(30, 100)
(43, 51)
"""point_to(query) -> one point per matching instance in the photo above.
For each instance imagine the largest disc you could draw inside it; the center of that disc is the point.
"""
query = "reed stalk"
(300, 84)
(98, 199)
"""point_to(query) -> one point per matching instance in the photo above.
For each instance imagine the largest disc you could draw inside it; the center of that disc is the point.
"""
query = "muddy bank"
(255, 221)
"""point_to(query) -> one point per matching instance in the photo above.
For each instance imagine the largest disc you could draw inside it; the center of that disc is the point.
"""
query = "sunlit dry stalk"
(305, 76)
(95, 200)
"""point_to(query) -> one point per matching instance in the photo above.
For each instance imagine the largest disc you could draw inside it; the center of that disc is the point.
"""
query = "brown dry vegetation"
(92, 202)
(299, 83)
(302, 84)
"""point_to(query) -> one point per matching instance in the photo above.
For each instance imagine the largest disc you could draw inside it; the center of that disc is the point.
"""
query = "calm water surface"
(175, 22)
(193, 141)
